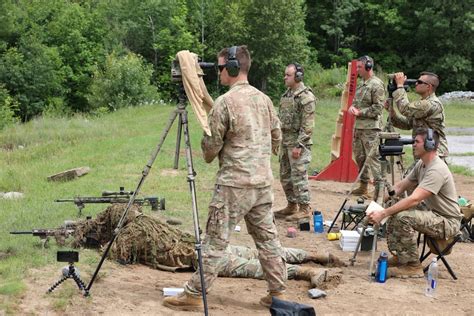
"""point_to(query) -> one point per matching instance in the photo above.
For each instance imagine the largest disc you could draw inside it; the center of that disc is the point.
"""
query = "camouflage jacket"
(369, 99)
(427, 113)
(297, 116)
(244, 128)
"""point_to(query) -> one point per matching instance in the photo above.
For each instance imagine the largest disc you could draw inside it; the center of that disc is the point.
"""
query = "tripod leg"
(78, 281)
(55, 285)
(392, 169)
(374, 246)
(338, 213)
(178, 142)
(359, 242)
(192, 189)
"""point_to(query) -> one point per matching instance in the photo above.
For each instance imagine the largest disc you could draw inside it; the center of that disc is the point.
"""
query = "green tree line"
(58, 57)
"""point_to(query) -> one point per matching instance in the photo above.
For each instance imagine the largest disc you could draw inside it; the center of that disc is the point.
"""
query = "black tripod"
(71, 274)
(182, 113)
(399, 158)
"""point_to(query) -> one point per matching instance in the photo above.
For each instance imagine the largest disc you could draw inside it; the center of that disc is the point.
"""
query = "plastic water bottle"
(382, 267)
(318, 222)
(432, 279)
(462, 201)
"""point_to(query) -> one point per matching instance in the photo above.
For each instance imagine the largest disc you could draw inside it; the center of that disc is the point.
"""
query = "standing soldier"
(367, 108)
(297, 106)
(244, 131)
(425, 113)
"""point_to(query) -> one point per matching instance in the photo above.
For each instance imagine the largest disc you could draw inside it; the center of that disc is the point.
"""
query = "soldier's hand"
(376, 216)
(354, 111)
(400, 78)
(296, 153)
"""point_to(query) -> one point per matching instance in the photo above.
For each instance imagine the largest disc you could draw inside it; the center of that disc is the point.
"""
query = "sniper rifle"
(113, 197)
(60, 234)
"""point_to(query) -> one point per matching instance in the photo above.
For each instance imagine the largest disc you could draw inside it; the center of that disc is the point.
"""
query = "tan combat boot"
(326, 260)
(267, 300)
(314, 275)
(393, 261)
(410, 270)
(184, 302)
(303, 212)
(361, 190)
(290, 209)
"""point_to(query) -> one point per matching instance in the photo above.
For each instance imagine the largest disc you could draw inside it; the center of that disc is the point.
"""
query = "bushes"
(326, 82)
(124, 81)
(8, 106)
(32, 73)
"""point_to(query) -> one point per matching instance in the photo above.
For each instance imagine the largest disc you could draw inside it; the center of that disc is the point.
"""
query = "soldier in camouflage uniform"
(440, 220)
(297, 106)
(427, 112)
(245, 131)
(367, 107)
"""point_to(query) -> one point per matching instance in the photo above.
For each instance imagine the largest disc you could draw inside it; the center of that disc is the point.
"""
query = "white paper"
(237, 228)
(328, 223)
(376, 207)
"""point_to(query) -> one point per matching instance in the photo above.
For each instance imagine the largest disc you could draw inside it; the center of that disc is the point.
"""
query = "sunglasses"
(221, 67)
(422, 82)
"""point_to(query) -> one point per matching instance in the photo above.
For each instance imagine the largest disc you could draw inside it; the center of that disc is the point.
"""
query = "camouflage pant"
(294, 175)
(402, 228)
(228, 206)
(364, 141)
(242, 262)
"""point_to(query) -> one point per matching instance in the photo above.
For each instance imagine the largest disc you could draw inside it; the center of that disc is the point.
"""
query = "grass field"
(116, 147)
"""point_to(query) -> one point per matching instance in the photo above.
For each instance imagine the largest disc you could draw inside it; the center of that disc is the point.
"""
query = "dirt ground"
(137, 289)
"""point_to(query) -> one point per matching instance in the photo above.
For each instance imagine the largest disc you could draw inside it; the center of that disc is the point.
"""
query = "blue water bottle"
(382, 267)
(318, 222)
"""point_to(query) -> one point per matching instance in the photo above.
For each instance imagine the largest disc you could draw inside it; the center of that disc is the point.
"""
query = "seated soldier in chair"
(434, 185)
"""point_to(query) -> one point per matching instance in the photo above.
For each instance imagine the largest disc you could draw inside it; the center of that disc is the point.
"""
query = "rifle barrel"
(102, 199)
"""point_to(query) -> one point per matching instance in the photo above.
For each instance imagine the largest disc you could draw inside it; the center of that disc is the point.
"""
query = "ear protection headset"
(368, 64)
(232, 65)
(430, 143)
(299, 73)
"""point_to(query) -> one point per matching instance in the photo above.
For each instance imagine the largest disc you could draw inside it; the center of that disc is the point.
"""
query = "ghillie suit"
(142, 239)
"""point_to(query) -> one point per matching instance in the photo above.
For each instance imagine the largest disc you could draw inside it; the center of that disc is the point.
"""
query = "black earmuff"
(232, 65)
(368, 64)
(299, 73)
(430, 143)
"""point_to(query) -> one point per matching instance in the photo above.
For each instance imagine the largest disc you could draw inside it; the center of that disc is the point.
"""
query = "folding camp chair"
(441, 248)
(352, 216)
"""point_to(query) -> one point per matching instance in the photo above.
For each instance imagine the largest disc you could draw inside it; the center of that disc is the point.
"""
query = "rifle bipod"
(69, 272)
